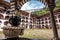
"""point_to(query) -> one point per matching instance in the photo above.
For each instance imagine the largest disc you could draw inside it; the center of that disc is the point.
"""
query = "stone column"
(54, 25)
(12, 3)
(51, 6)
(29, 21)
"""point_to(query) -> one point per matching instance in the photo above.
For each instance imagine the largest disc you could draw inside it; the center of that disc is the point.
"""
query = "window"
(22, 20)
(23, 17)
(46, 22)
(30, 21)
(5, 8)
(8, 12)
(0, 11)
(49, 18)
(59, 16)
(42, 25)
(26, 20)
(39, 23)
(26, 17)
(1, 16)
(59, 20)
(42, 19)
(6, 17)
(49, 21)
(6, 22)
(0, 22)
(26, 25)
(42, 22)
(45, 18)
(55, 17)
(56, 21)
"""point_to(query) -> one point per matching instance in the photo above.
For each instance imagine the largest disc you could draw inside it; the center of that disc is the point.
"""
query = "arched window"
(8, 12)
(6, 22)
(6, 17)
(45, 18)
(0, 21)
(5, 8)
(1, 16)
(59, 16)
(59, 20)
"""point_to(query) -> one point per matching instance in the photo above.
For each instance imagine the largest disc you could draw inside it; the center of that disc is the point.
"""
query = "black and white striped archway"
(20, 3)
(49, 4)
(24, 1)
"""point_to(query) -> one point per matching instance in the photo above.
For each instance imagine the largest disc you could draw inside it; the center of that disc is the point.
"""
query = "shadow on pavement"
(19, 39)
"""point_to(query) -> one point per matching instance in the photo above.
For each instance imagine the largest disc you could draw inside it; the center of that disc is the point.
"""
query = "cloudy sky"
(33, 4)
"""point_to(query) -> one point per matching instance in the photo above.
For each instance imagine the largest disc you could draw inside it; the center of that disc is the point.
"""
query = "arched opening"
(32, 5)
(1, 16)
(33, 9)
(0, 22)
(6, 22)
(41, 17)
(7, 17)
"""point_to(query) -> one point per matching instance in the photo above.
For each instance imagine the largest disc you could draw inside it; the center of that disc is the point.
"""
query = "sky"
(33, 4)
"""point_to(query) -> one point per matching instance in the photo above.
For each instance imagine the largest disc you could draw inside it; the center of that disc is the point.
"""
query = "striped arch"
(15, 3)
(4, 3)
(20, 3)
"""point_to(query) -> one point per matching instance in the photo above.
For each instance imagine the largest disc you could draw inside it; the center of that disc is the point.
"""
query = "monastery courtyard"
(33, 24)
(43, 34)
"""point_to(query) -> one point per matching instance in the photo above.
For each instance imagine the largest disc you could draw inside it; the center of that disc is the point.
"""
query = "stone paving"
(2, 37)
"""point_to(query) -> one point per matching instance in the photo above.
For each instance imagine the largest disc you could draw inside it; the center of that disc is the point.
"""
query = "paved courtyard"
(36, 34)
(2, 37)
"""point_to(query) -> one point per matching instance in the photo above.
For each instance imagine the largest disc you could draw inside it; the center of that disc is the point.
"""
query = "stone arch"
(4, 3)
(1, 16)
(6, 17)
(20, 3)
(6, 22)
